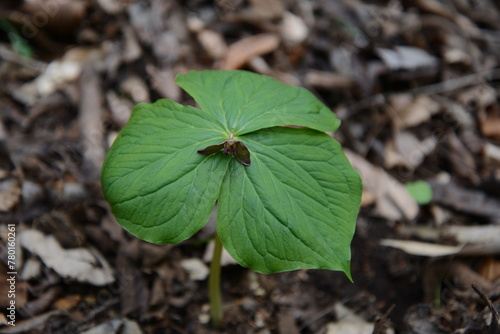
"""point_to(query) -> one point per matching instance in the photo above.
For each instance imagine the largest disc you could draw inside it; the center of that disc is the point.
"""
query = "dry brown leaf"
(492, 154)
(490, 270)
(79, 264)
(473, 240)
(111, 7)
(136, 87)
(406, 58)
(483, 234)
(392, 199)
(110, 327)
(213, 43)
(67, 302)
(490, 127)
(421, 248)
(461, 159)
(435, 7)
(58, 73)
(90, 120)
(196, 269)
(10, 194)
(264, 10)
(407, 150)
(132, 49)
(286, 324)
(32, 324)
(239, 53)
(479, 96)
(327, 80)
(489, 120)
(3, 320)
(293, 29)
(466, 200)
(21, 290)
(163, 81)
(120, 108)
(407, 111)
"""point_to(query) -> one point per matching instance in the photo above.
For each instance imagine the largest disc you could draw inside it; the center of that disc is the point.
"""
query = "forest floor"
(415, 83)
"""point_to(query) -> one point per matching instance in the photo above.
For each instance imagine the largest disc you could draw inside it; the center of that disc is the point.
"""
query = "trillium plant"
(287, 197)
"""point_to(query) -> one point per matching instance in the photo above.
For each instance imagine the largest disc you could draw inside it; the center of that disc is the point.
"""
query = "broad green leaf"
(294, 207)
(288, 198)
(159, 187)
(243, 102)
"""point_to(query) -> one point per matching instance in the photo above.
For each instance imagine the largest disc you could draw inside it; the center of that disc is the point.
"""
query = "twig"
(381, 323)
(493, 328)
(432, 89)
(30, 63)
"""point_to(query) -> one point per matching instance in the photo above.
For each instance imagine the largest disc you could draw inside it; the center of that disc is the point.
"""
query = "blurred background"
(415, 83)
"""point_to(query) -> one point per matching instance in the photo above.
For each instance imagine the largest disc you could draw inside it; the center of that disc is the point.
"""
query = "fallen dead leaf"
(405, 149)
(122, 326)
(240, 52)
(490, 270)
(213, 43)
(350, 323)
(10, 193)
(293, 29)
(59, 73)
(196, 269)
(466, 200)
(406, 58)
(407, 111)
(31, 324)
(111, 7)
(492, 155)
(328, 80)
(392, 199)
(79, 264)
(68, 302)
(21, 292)
(421, 248)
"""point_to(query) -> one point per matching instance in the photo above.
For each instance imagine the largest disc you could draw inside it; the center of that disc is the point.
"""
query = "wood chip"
(328, 80)
(91, 121)
(132, 49)
(240, 52)
(213, 43)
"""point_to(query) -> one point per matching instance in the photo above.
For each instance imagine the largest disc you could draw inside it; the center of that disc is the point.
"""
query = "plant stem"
(214, 284)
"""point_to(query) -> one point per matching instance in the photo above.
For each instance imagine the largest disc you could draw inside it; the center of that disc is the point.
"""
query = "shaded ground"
(415, 83)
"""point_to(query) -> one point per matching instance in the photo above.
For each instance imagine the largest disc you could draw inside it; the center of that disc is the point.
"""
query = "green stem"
(214, 284)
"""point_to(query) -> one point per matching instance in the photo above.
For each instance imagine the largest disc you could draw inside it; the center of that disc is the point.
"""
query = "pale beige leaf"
(79, 264)
(421, 248)
(392, 199)
(239, 53)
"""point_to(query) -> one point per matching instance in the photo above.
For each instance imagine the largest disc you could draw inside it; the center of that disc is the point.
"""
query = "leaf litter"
(359, 57)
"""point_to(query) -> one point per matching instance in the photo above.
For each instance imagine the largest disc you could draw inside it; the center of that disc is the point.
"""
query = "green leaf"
(421, 191)
(159, 187)
(243, 102)
(288, 198)
(294, 207)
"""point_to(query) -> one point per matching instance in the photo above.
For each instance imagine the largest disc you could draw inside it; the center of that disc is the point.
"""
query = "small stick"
(493, 327)
(380, 324)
